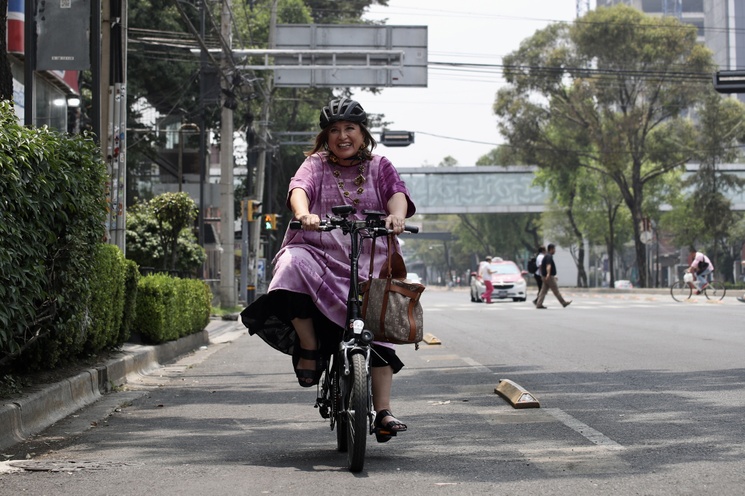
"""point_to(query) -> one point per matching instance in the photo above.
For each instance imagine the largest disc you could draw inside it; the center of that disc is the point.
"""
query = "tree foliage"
(160, 234)
(618, 83)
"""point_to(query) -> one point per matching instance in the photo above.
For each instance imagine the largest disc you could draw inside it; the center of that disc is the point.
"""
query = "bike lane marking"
(592, 435)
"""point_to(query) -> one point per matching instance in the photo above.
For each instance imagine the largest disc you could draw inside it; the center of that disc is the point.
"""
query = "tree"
(159, 233)
(448, 161)
(620, 81)
(722, 129)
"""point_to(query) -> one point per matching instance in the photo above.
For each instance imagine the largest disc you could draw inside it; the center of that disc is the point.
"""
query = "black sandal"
(303, 375)
(384, 433)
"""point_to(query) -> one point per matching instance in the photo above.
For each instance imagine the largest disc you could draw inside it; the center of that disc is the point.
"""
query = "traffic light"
(253, 210)
(729, 81)
(396, 138)
(270, 222)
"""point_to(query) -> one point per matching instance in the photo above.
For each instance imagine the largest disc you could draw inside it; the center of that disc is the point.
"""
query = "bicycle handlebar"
(326, 225)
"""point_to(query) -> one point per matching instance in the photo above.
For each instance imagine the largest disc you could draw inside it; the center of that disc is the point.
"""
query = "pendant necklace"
(358, 181)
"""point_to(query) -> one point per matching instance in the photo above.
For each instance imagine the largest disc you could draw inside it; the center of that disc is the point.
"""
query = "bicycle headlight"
(357, 326)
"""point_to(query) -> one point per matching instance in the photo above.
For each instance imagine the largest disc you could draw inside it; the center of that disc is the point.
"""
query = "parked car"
(413, 277)
(508, 280)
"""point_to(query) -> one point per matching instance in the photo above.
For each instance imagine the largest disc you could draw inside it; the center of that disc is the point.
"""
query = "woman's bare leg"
(307, 341)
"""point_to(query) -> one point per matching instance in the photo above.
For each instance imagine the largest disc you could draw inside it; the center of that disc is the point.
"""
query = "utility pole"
(255, 238)
(227, 209)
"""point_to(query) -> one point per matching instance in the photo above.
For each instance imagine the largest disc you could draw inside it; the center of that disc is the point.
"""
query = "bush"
(107, 299)
(52, 212)
(169, 307)
(131, 280)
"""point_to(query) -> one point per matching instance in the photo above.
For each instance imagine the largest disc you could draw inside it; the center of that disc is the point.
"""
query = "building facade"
(54, 90)
(720, 24)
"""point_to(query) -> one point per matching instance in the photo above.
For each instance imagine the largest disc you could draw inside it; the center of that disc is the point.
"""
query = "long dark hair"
(322, 140)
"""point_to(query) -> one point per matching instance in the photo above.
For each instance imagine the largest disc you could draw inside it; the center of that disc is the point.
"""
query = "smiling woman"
(305, 310)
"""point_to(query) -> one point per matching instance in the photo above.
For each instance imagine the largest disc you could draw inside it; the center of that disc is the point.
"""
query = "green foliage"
(131, 280)
(159, 234)
(169, 308)
(333, 11)
(611, 99)
(107, 299)
(52, 212)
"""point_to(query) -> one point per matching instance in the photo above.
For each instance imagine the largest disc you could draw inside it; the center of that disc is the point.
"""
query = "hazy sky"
(457, 104)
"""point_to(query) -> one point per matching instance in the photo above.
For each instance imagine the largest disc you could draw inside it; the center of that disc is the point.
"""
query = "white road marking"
(595, 437)
(476, 365)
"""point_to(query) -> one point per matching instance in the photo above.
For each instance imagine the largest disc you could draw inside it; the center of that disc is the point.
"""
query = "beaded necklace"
(361, 157)
(358, 181)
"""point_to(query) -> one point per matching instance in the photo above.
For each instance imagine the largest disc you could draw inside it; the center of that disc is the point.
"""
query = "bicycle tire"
(715, 290)
(680, 291)
(357, 413)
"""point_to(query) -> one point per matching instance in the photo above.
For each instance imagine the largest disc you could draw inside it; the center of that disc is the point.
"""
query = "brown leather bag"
(390, 305)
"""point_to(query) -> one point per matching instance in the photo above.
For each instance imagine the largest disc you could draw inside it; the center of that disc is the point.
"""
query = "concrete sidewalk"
(26, 416)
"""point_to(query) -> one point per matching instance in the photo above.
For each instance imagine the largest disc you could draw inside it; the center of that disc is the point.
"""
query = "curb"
(31, 414)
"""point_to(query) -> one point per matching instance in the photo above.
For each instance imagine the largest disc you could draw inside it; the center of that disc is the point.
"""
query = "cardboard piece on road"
(430, 339)
(518, 396)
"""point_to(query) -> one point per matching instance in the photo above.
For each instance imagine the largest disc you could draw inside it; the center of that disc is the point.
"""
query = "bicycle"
(713, 290)
(345, 389)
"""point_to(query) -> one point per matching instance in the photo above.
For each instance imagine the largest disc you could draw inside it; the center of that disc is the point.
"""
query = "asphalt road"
(638, 395)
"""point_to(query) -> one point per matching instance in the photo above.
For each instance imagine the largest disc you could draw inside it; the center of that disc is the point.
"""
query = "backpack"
(532, 266)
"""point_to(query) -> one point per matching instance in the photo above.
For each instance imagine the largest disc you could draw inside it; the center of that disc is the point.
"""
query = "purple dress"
(316, 263)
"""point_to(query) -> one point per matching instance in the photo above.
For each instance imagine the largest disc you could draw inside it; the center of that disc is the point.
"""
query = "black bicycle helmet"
(342, 109)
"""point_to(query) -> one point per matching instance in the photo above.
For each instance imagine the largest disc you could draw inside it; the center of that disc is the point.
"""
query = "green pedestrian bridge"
(499, 189)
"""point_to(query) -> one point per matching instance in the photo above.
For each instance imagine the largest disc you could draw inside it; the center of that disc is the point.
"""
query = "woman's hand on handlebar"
(395, 223)
(309, 222)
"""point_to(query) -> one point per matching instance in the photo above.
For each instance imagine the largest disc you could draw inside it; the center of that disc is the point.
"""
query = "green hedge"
(169, 307)
(52, 212)
(131, 280)
(65, 294)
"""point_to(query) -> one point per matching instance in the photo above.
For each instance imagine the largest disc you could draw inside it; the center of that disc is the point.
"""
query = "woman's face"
(345, 139)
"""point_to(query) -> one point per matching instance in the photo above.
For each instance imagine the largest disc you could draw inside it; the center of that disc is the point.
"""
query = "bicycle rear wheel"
(715, 290)
(680, 291)
(357, 413)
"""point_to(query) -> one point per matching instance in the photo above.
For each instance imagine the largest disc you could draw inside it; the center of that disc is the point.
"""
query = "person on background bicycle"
(701, 267)
(304, 311)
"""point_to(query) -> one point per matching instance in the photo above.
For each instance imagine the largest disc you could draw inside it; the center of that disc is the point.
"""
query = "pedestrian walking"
(485, 273)
(548, 273)
(536, 269)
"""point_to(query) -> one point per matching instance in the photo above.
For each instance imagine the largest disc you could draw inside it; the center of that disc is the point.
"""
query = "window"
(693, 6)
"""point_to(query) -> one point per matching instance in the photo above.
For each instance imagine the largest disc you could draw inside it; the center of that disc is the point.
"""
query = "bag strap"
(394, 267)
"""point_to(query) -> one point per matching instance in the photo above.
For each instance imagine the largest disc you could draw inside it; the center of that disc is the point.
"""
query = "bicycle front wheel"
(357, 413)
(715, 290)
(680, 291)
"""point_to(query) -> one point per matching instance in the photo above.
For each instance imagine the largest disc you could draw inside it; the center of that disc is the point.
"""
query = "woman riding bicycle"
(304, 310)
(701, 267)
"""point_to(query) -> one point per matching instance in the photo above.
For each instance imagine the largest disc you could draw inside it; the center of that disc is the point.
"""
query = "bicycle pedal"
(385, 432)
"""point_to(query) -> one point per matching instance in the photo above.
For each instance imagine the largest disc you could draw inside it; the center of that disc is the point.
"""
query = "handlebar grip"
(295, 225)
(411, 229)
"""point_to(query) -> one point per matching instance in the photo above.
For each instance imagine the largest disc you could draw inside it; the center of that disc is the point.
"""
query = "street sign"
(341, 55)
